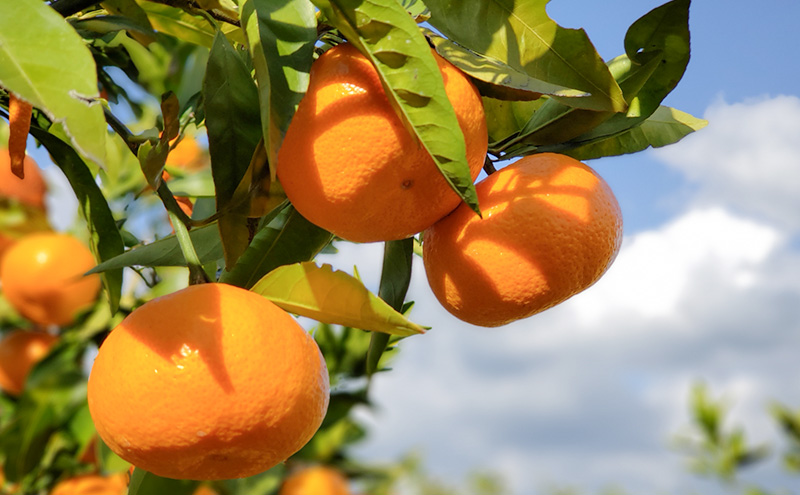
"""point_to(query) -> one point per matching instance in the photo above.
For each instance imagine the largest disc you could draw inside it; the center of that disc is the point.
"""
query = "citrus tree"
(216, 147)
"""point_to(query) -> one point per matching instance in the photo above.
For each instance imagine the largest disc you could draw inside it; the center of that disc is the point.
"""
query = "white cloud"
(747, 158)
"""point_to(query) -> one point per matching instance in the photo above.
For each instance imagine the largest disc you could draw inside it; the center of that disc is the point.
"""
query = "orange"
(20, 350)
(349, 165)
(209, 382)
(551, 227)
(317, 480)
(29, 191)
(187, 155)
(93, 484)
(42, 277)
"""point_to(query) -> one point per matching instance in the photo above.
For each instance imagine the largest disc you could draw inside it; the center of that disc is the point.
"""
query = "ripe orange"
(551, 227)
(348, 164)
(42, 276)
(210, 382)
(317, 480)
(187, 155)
(20, 350)
(93, 484)
(29, 191)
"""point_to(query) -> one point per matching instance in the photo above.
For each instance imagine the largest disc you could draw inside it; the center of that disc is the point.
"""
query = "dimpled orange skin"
(551, 227)
(30, 191)
(92, 484)
(210, 382)
(348, 164)
(316, 480)
(42, 276)
(20, 350)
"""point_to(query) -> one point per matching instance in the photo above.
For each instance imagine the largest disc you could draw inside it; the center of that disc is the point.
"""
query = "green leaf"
(385, 33)
(44, 61)
(520, 34)
(288, 238)
(184, 26)
(395, 279)
(167, 252)
(657, 53)
(145, 483)
(106, 240)
(281, 37)
(234, 131)
(332, 297)
(494, 78)
(665, 126)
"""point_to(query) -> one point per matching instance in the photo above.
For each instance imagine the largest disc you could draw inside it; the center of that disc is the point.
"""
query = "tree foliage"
(117, 85)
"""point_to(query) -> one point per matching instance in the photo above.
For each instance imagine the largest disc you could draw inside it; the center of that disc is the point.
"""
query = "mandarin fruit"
(209, 382)
(551, 227)
(93, 484)
(20, 350)
(349, 165)
(30, 190)
(316, 480)
(42, 276)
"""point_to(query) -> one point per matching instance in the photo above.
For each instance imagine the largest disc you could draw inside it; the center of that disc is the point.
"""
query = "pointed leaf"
(234, 130)
(657, 53)
(167, 251)
(494, 78)
(281, 37)
(45, 62)
(106, 239)
(395, 279)
(332, 297)
(184, 26)
(385, 33)
(520, 34)
(665, 126)
(289, 238)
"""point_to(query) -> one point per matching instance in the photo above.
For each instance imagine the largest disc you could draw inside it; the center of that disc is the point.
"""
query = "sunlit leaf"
(495, 78)
(281, 38)
(390, 38)
(665, 126)
(184, 26)
(522, 35)
(46, 63)
(332, 297)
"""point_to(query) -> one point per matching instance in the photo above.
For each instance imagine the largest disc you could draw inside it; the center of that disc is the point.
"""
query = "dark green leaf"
(234, 130)
(395, 278)
(106, 239)
(390, 38)
(522, 35)
(281, 36)
(288, 238)
(167, 252)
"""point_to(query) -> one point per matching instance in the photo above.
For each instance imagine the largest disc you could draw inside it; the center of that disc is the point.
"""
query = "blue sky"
(707, 286)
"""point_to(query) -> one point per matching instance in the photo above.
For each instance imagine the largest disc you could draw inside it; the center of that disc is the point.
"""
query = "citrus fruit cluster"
(41, 273)
(550, 225)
